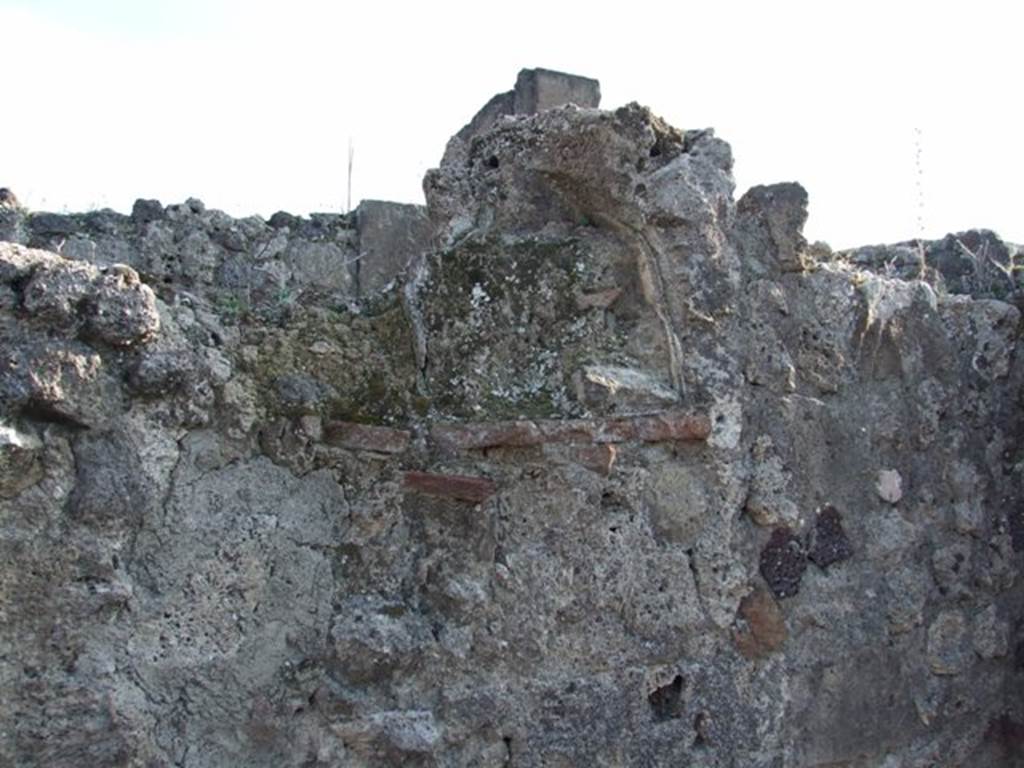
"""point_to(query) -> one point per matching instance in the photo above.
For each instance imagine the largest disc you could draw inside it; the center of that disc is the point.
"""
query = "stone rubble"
(585, 463)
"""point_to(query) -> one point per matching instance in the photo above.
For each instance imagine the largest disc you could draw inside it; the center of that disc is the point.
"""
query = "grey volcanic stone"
(20, 465)
(536, 90)
(51, 224)
(145, 211)
(300, 394)
(774, 216)
(390, 236)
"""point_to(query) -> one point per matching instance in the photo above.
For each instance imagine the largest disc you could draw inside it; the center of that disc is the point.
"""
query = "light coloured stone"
(991, 635)
(19, 460)
(623, 390)
(889, 486)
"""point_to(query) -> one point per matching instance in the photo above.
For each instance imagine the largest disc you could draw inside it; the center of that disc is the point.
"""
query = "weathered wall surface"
(617, 471)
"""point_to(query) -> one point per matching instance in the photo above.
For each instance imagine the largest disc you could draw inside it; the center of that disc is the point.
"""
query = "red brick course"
(459, 487)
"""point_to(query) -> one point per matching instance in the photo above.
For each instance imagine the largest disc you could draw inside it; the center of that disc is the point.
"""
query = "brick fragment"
(479, 435)
(568, 432)
(366, 437)
(459, 487)
(761, 627)
(656, 428)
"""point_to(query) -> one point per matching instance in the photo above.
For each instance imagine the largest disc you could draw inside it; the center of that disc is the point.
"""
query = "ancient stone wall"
(587, 463)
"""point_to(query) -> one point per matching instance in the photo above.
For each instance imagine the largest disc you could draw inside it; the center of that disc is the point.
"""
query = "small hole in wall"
(667, 701)
(701, 728)
(492, 161)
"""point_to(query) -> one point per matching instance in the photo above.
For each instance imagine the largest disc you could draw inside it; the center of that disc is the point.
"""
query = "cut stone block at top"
(541, 89)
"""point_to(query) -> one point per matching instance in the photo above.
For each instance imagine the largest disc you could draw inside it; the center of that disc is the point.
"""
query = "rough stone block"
(991, 634)
(536, 90)
(12, 225)
(656, 428)
(622, 390)
(327, 266)
(777, 212)
(597, 458)
(948, 651)
(145, 211)
(298, 394)
(365, 437)
(598, 299)
(45, 224)
(19, 461)
(390, 234)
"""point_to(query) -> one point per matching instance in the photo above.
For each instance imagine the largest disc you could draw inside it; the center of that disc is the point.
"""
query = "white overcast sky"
(250, 106)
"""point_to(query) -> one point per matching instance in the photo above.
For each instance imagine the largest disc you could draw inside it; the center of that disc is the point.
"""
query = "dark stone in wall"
(827, 541)
(145, 211)
(783, 562)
